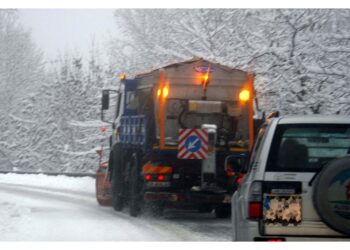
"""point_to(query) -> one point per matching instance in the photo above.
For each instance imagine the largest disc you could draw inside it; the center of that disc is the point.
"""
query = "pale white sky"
(56, 30)
(59, 29)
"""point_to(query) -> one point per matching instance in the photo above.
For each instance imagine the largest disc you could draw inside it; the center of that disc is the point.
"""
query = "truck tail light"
(156, 172)
(161, 177)
(255, 200)
(157, 177)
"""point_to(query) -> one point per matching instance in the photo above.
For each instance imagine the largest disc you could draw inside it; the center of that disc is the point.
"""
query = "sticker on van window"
(283, 210)
(339, 194)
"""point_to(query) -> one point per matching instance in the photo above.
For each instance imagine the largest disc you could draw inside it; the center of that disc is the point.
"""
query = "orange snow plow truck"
(180, 137)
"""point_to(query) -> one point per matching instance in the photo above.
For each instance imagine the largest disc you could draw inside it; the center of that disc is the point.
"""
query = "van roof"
(309, 119)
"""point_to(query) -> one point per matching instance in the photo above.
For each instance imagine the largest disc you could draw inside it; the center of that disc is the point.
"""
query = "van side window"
(307, 147)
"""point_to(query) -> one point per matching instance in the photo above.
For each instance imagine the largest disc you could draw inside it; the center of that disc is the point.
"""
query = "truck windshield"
(307, 147)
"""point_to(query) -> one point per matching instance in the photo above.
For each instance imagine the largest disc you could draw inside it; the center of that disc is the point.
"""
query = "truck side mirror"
(107, 114)
(105, 99)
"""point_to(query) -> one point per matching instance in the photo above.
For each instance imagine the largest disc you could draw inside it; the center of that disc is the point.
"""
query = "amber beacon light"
(244, 95)
(163, 92)
(122, 77)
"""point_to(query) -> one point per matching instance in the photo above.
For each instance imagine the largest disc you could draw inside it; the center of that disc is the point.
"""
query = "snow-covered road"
(39, 207)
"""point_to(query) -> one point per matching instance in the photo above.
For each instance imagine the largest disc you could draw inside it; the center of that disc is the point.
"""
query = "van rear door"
(298, 153)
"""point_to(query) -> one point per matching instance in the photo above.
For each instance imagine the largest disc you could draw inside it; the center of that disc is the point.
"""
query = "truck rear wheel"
(135, 199)
(117, 180)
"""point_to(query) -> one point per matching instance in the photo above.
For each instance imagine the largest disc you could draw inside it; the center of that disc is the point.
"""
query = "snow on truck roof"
(319, 119)
(191, 61)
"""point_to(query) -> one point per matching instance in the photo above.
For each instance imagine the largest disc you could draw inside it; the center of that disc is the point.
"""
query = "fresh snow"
(61, 208)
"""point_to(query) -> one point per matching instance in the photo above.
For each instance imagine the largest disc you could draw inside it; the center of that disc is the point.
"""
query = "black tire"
(135, 186)
(117, 179)
(223, 211)
(330, 195)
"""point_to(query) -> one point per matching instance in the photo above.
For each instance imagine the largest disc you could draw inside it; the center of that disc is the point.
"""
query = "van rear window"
(307, 147)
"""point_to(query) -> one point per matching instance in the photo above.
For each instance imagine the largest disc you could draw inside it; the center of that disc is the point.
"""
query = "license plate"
(282, 209)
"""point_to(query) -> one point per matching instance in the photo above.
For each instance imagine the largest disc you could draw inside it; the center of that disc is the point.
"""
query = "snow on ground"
(40, 180)
(55, 208)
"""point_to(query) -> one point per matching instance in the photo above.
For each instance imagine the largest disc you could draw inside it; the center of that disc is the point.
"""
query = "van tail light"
(255, 201)
(255, 210)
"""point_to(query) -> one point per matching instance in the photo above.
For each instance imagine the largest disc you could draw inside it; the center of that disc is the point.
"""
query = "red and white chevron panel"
(193, 144)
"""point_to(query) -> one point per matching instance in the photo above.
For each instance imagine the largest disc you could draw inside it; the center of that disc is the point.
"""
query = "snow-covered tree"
(21, 63)
(300, 57)
(75, 88)
(21, 72)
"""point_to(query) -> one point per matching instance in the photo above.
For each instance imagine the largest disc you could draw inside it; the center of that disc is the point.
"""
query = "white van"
(297, 185)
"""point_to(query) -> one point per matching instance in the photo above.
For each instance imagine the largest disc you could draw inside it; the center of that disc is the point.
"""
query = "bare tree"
(300, 57)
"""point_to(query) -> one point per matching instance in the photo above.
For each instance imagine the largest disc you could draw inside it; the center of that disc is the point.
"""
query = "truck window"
(307, 147)
(131, 100)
